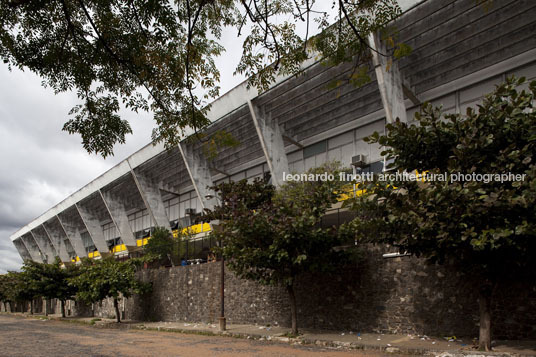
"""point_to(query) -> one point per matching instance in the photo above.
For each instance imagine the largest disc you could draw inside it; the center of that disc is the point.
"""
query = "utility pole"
(222, 291)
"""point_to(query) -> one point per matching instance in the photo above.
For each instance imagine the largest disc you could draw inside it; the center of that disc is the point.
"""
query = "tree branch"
(360, 38)
(123, 62)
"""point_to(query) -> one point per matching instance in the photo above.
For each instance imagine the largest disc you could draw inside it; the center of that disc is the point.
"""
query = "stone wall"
(400, 295)
(72, 308)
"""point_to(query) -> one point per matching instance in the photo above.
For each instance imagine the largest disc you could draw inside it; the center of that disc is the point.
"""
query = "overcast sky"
(41, 164)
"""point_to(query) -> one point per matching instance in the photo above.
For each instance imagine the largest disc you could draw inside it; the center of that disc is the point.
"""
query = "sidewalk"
(395, 344)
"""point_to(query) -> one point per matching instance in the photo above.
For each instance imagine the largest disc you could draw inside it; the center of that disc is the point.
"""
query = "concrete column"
(199, 172)
(32, 247)
(44, 245)
(57, 239)
(271, 138)
(21, 248)
(94, 228)
(72, 232)
(120, 218)
(150, 193)
(389, 81)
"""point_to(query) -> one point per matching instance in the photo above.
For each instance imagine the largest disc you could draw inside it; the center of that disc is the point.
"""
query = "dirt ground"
(33, 337)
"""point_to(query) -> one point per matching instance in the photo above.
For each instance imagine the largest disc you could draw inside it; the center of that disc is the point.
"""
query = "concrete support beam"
(21, 248)
(40, 237)
(57, 238)
(293, 141)
(72, 232)
(226, 174)
(389, 81)
(120, 218)
(150, 193)
(199, 172)
(271, 138)
(168, 189)
(94, 228)
(408, 92)
(32, 247)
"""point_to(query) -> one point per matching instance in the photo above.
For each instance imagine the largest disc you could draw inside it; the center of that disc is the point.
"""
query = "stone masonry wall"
(400, 295)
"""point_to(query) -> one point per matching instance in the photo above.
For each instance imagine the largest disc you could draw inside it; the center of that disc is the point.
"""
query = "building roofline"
(220, 107)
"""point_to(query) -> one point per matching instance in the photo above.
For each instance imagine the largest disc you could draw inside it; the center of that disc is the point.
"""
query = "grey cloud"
(42, 165)
(9, 257)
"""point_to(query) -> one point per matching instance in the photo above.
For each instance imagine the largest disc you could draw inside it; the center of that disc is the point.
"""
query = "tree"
(159, 55)
(8, 289)
(484, 225)
(5, 285)
(164, 246)
(272, 237)
(59, 281)
(3, 297)
(22, 287)
(33, 281)
(108, 278)
(52, 280)
(161, 244)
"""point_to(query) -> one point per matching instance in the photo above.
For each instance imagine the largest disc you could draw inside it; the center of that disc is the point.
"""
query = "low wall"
(401, 295)
(21, 306)
(52, 306)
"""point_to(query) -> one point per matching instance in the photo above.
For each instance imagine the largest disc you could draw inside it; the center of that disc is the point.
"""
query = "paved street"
(32, 337)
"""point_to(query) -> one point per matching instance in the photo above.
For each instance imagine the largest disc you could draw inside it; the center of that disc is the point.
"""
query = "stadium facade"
(460, 50)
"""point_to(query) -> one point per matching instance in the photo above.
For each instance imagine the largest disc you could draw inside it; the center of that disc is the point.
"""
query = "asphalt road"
(31, 337)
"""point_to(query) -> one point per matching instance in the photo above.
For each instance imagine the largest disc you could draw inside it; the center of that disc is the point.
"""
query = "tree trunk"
(46, 307)
(484, 302)
(116, 306)
(31, 307)
(293, 312)
(62, 308)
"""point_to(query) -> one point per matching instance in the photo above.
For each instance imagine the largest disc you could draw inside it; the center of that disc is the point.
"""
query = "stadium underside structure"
(460, 50)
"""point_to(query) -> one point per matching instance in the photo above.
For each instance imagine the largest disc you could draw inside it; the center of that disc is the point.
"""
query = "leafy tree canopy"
(166, 248)
(10, 288)
(6, 287)
(485, 227)
(161, 243)
(100, 279)
(159, 55)
(488, 225)
(274, 236)
(108, 278)
(51, 280)
(25, 287)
